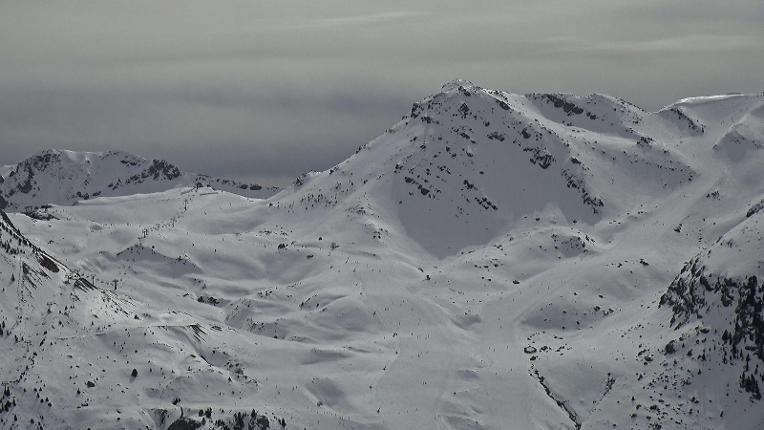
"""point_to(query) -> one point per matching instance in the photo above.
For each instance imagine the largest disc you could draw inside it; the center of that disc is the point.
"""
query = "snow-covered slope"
(70, 348)
(493, 261)
(469, 163)
(66, 177)
(717, 304)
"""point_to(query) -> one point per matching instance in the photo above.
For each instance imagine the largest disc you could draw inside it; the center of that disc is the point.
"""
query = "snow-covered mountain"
(492, 261)
(66, 177)
(482, 161)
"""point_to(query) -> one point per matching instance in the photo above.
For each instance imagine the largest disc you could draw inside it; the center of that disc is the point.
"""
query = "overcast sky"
(270, 88)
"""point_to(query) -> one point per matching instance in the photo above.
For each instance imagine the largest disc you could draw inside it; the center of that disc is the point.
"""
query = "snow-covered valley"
(492, 261)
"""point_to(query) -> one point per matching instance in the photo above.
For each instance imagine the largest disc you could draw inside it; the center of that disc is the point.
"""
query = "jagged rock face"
(721, 291)
(65, 177)
(740, 304)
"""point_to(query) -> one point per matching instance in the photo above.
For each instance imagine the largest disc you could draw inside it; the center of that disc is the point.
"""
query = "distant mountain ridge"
(64, 177)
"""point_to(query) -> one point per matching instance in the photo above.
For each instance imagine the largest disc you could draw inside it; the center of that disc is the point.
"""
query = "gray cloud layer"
(269, 88)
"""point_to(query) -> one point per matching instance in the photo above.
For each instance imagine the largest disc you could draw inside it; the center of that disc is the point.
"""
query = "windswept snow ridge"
(492, 261)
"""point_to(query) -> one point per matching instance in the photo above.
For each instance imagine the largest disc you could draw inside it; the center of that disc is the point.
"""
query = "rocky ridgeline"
(725, 300)
(66, 177)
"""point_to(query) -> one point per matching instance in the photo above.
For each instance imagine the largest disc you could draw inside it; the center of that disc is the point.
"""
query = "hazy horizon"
(267, 90)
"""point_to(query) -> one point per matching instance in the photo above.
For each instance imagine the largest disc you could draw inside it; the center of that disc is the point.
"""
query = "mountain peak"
(454, 84)
(56, 176)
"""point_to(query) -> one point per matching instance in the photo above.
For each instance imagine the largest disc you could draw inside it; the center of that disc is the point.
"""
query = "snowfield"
(492, 261)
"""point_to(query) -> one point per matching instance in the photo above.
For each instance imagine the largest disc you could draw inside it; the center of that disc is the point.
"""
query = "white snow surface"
(66, 177)
(492, 261)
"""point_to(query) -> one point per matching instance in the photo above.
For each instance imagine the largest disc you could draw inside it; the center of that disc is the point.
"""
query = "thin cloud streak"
(365, 19)
(689, 44)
